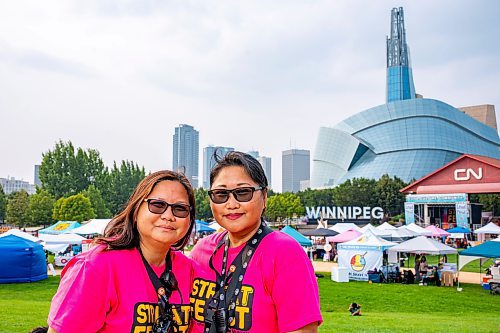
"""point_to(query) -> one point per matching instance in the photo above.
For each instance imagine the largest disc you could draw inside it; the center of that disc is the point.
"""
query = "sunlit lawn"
(385, 307)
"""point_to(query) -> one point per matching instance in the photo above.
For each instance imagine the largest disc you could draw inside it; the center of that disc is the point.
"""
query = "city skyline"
(253, 76)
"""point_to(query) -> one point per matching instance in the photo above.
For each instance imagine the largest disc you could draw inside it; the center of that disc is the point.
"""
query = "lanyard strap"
(224, 300)
(157, 283)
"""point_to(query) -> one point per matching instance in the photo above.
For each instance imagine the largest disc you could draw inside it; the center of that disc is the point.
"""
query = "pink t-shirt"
(279, 291)
(110, 291)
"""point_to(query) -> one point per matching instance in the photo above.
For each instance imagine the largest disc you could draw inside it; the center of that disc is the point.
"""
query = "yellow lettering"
(211, 290)
(195, 291)
(141, 313)
(177, 318)
(204, 285)
(199, 307)
(140, 329)
(245, 294)
(241, 311)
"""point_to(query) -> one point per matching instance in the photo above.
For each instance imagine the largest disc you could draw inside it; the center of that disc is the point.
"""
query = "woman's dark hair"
(121, 232)
(236, 158)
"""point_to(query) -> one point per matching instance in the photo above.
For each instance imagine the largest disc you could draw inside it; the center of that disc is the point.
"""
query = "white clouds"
(118, 76)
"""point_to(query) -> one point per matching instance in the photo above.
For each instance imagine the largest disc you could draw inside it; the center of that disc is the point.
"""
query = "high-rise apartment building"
(209, 161)
(186, 152)
(295, 168)
(11, 184)
(37, 175)
(266, 165)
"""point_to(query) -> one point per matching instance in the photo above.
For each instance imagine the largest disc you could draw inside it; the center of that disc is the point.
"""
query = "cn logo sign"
(466, 174)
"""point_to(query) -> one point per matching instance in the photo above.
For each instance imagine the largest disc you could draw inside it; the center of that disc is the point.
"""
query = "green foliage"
(41, 205)
(3, 204)
(313, 198)
(491, 203)
(122, 182)
(203, 211)
(356, 192)
(74, 208)
(284, 205)
(17, 212)
(98, 204)
(64, 171)
(388, 195)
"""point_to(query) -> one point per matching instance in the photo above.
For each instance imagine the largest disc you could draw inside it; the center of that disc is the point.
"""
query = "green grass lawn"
(385, 307)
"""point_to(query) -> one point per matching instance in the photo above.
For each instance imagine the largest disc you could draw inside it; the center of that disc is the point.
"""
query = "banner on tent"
(359, 262)
(409, 212)
(462, 214)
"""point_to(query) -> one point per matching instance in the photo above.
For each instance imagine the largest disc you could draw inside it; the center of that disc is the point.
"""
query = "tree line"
(77, 186)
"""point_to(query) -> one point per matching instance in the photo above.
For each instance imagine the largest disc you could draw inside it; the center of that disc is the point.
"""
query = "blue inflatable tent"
(22, 260)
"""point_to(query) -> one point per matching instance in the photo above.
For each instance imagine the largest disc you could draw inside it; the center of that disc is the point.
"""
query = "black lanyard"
(223, 303)
(164, 286)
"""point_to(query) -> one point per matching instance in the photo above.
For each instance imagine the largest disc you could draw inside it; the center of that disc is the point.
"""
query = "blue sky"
(119, 76)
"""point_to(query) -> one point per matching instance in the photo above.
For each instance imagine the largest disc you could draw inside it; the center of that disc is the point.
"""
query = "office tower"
(399, 74)
(254, 154)
(266, 165)
(209, 161)
(295, 168)
(37, 175)
(10, 184)
(186, 147)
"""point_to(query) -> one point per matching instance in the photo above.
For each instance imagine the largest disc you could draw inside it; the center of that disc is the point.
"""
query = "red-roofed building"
(442, 197)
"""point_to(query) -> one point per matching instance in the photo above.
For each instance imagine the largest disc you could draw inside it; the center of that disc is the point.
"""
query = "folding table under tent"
(483, 252)
(22, 260)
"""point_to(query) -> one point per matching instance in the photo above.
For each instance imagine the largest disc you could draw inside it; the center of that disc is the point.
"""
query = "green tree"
(74, 208)
(388, 195)
(285, 205)
(356, 192)
(18, 209)
(122, 182)
(98, 204)
(203, 211)
(490, 202)
(41, 205)
(66, 171)
(3, 204)
(314, 198)
(57, 211)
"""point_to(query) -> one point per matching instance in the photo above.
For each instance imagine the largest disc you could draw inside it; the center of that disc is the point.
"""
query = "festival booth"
(485, 251)
(418, 229)
(362, 254)
(202, 227)
(92, 227)
(489, 229)
(60, 227)
(342, 227)
(437, 232)
(21, 260)
(64, 246)
(374, 230)
(22, 234)
(303, 241)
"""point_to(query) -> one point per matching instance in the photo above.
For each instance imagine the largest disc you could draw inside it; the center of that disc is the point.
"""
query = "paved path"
(465, 277)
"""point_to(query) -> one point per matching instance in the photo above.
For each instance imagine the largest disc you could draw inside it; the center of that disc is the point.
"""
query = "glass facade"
(408, 139)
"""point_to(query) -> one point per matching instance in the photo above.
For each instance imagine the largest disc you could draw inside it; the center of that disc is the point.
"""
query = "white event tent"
(380, 233)
(341, 227)
(490, 228)
(362, 254)
(95, 226)
(22, 234)
(386, 226)
(423, 245)
(418, 229)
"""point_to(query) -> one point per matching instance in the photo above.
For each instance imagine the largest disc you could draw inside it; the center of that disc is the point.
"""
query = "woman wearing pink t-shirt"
(250, 279)
(134, 279)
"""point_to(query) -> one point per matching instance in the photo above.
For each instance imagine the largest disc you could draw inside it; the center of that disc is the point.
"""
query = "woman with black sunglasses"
(251, 279)
(134, 279)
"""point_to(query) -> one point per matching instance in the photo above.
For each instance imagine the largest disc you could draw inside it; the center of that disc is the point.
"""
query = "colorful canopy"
(95, 226)
(303, 241)
(459, 230)
(60, 227)
(367, 240)
(344, 237)
(490, 249)
(436, 231)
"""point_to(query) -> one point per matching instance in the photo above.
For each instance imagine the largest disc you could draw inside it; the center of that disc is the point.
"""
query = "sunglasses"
(241, 194)
(157, 206)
